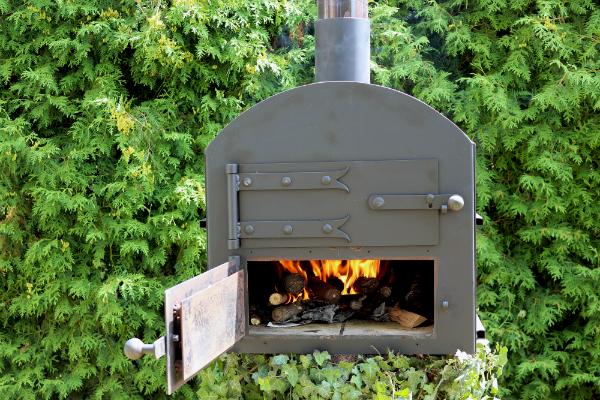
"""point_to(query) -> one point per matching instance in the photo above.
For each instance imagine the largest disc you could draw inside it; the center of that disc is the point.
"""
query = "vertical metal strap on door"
(233, 187)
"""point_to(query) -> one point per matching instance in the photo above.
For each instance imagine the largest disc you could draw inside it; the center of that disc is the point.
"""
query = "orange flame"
(347, 271)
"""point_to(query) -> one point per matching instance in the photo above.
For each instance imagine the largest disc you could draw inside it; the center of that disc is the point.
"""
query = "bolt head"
(378, 202)
(326, 180)
(247, 181)
(288, 229)
(249, 229)
(327, 228)
(286, 181)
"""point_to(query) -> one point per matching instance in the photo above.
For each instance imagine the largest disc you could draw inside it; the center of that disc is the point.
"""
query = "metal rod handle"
(134, 348)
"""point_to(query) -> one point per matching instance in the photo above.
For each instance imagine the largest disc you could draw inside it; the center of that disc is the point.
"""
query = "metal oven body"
(320, 159)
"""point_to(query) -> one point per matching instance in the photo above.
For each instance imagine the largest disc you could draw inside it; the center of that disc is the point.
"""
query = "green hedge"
(106, 107)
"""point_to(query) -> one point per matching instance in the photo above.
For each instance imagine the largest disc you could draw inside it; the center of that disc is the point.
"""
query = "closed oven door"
(336, 204)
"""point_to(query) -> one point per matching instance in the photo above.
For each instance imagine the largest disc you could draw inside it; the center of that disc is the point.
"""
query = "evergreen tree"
(522, 79)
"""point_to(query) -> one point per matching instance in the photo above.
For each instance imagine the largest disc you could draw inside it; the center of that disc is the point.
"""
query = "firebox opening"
(388, 297)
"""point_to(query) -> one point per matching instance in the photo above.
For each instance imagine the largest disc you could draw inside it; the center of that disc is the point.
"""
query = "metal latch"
(442, 202)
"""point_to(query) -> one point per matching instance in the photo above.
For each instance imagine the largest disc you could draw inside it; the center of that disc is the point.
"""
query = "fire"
(347, 271)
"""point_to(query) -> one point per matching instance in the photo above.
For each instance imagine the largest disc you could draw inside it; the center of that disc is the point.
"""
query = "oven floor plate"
(346, 329)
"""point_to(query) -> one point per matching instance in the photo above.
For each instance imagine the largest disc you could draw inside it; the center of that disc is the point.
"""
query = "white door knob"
(456, 202)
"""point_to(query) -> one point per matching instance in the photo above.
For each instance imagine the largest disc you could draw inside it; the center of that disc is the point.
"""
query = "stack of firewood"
(373, 300)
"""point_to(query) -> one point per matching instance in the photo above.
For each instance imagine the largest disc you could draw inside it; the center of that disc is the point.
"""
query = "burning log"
(405, 318)
(365, 285)
(286, 312)
(336, 283)
(277, 299)
(324, 291)
(294, 283)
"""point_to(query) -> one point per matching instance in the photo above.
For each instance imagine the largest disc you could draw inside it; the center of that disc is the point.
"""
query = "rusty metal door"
(204, 317)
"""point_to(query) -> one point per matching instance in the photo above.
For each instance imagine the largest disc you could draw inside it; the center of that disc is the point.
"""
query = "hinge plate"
(322, 180)
(328, 228)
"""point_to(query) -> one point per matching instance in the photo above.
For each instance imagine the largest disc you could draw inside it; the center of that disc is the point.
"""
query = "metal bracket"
(478, 219)
(324, 228)
(479, 328)
(176, 338)
(235, 262)
(442, 202)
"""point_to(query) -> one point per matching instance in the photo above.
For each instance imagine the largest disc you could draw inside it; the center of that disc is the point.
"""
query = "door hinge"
(317, 180)
(233, 187)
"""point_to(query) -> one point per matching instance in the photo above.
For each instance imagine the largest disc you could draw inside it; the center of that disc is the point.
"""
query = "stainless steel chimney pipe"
(343, 48)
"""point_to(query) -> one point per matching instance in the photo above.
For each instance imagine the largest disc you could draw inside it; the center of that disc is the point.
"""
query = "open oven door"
(204, 317)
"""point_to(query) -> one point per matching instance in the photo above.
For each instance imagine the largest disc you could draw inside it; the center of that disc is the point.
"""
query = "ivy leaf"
(291, 373)
(321, 357)
(357, 380)
(279, 360)
(369, 369)
(306, 360)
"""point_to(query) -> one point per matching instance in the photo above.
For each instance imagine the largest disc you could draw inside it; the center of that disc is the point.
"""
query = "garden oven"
(340, 217)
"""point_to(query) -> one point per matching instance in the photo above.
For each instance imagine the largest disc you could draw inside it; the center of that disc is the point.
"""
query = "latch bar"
(442, 202)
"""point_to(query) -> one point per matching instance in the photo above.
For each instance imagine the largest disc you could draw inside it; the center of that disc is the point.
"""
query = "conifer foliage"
(105, 109)
(522, 78)
(107, 105)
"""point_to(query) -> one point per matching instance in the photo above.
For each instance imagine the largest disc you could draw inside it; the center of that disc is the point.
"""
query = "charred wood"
(385, 292)
(365, 285)
(336, 283)
(323, 313)
(415, 295)
(357, 304)
(293, 283)
(323, 291)
(379, 313)
(327, 313)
